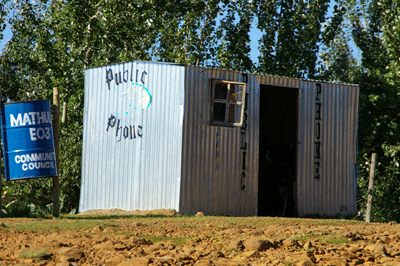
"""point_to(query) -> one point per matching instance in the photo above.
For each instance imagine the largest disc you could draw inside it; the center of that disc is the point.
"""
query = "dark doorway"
(278, 150)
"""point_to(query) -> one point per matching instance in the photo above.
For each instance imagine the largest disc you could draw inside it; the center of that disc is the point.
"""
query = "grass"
(310, 250)
(336, 240)
(234, 250)
(36, 254)
(327, 237)
(82, 223)
(176, 240)
(40, 225)
(189, 225)
(305, 238)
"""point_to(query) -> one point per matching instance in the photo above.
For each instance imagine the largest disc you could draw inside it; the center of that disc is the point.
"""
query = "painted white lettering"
(16, 122)
(27, 120)
(43, 117)
(47, 133)
(34, 157)
(37, 165)
(40, 133)
(36, 161)
(33, 117)
(29, 157)
(22, 158)
(39, 157)
(32, 131)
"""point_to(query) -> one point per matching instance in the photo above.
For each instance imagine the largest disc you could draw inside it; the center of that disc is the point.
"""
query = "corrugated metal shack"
(168, 136)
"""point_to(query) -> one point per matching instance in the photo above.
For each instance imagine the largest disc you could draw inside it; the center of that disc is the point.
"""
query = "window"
(227, 102)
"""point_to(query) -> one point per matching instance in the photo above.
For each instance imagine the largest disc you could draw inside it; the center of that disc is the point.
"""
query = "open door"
(278, 151)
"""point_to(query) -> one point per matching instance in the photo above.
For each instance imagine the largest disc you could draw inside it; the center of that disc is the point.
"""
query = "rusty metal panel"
(219, 163)
(133, 117)
(327, 149)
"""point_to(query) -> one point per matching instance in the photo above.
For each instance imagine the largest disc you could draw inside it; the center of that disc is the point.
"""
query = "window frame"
(228, 103)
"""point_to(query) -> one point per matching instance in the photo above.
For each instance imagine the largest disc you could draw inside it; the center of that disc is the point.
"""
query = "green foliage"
(292, 34)
(3, 14)
(234, 51)
(26, 198)
(54, 41)
(337, 57)
(187, 32)
(338, 63)
(373, 25)
(386, 188)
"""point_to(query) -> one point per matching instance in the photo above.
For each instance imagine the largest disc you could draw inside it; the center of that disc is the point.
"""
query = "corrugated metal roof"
(281, 79)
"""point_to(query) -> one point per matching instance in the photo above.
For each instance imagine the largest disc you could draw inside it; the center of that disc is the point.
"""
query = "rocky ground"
(200, 240)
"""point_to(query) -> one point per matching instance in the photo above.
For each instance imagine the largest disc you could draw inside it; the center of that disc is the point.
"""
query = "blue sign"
(28, 140)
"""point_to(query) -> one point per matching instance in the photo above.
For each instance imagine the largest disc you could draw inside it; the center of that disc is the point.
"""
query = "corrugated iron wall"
(148, 143)
(327, 154)
(132, 136)
(327, 145)
(218, 161)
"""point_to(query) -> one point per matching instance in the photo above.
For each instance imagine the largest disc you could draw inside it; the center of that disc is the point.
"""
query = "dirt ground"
(196, 240)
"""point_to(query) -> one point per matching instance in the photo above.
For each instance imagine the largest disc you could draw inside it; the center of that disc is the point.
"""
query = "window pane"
(220, 91)
(231, 113)
(227, 102)
(219, 112)
(235, 92)
(234, 113)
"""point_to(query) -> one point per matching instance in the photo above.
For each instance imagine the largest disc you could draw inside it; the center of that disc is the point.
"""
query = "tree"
(3, 14)
(291, 36)
(54, 41)
(188, 33)
(374, 33)
(337, 61)
(234, 51)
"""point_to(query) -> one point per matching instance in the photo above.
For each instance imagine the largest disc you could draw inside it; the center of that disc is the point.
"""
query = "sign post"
(370, 187)
(56, 130)
(1, 155)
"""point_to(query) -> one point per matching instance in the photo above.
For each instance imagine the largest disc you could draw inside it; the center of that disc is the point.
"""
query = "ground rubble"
(206, 243)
